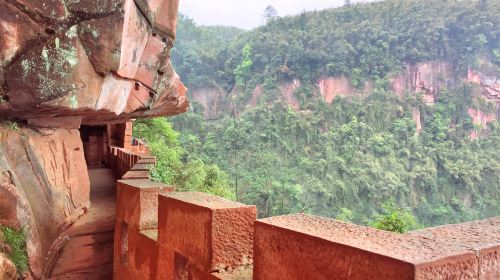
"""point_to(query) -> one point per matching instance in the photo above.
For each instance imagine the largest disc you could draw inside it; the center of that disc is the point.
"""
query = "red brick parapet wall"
(162, 234)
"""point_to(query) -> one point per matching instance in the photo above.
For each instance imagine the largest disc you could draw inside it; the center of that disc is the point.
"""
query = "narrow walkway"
(89, 251)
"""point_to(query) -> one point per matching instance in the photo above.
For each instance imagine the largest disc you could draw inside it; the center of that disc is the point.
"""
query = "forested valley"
(361, 155)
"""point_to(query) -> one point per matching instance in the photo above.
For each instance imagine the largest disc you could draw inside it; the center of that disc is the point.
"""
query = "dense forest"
(358, 157)
(364, 41)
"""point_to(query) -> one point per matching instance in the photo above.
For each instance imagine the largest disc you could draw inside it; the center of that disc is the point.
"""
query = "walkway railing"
(133, 163)
(163, 234)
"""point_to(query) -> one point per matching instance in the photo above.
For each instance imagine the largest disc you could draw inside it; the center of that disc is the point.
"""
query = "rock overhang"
(103, 61)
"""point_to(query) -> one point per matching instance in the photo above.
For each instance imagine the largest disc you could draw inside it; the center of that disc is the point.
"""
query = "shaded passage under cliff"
(88, 252)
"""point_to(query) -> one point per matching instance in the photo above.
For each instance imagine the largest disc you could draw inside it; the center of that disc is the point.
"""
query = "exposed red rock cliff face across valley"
(426, 79)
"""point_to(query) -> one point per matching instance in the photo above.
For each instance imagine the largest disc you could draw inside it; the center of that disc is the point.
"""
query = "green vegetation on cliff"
(172, 165)
(364, 42)
(347, 159)
(15, 249)
(355, 155)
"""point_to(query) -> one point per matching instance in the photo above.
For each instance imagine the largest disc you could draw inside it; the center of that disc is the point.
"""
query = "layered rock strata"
(44, 186)
(99, 61)
(65, 64)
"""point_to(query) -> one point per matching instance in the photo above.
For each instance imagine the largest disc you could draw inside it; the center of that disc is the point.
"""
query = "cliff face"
(489, 82)
(44, 186)
(7, 268)
(212, 98)
(101, 61)
(288, 94)
(426, 79)
(64, 64)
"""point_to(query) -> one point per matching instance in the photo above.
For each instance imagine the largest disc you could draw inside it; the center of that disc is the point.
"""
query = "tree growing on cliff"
(174, 166)
(244, 70)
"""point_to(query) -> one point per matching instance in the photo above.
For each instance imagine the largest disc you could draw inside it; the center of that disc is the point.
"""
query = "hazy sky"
(247, 13)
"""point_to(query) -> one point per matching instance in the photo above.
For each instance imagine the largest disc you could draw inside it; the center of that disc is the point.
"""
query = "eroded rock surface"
(105, 60)
(7, 268)
(64, 64)
(297, 246)
(44, 186)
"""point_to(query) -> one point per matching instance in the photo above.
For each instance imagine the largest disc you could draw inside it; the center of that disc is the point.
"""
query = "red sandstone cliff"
(68, 63)
(212, 100)
(7, 268)
(100, 61)
(427, 79)
(64, 64)
(44, 186)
